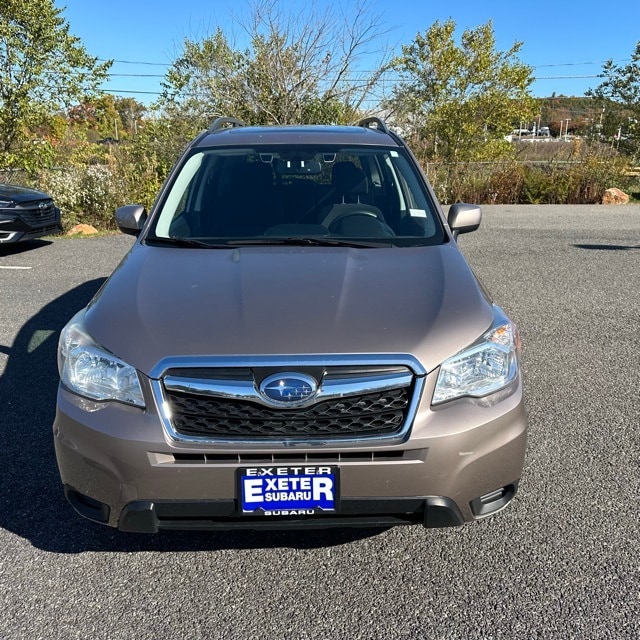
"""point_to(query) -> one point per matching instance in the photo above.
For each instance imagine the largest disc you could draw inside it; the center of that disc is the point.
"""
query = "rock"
(615, 196)
(84, 230)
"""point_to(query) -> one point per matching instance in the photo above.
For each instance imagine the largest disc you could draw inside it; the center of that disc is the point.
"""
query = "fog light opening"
(494, 501)
(86, 506)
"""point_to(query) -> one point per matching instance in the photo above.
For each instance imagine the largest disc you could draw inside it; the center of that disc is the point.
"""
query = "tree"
(132, 113)
(108, 116)
(621, 88)
(297, 68)
(43, 68)
(460, 100)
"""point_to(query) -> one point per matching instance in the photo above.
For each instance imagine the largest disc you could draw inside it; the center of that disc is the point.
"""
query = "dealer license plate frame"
(249, 493)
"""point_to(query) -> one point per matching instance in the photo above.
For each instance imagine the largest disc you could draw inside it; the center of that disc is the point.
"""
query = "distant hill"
(584, 115)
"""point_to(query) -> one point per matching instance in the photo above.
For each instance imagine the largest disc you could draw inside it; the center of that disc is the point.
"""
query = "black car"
(26, 214)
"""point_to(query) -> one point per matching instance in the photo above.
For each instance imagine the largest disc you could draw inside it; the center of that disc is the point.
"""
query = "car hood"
(21, 194)
(179, 302)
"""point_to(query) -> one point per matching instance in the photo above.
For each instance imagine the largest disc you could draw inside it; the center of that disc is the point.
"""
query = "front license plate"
(288, 491)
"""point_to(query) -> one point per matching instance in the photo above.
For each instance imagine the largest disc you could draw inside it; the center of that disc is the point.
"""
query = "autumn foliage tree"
(43, 69)
(621, 91)
(460, 100)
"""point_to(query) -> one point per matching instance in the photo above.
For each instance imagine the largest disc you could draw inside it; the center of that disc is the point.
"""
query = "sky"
(565, 42)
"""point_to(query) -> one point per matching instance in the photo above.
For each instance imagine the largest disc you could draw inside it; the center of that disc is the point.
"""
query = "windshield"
(267, 195)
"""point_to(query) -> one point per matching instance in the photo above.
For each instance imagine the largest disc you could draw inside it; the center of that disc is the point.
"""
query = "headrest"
(348, 179)
(251, 177)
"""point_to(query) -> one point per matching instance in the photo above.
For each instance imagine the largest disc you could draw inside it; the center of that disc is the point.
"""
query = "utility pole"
(616, 138)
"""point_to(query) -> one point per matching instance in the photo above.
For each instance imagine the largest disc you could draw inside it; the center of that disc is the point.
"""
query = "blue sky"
(564, 41)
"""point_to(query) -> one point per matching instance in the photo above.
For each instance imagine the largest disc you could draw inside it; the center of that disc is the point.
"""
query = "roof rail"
(379, 122)
(219, 123)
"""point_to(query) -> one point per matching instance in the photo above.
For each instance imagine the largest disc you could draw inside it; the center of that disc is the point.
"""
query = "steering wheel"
(348, 214)
(378, 228)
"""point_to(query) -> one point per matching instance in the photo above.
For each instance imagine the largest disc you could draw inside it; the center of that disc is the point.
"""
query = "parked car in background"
(294, 340)
(26, 214)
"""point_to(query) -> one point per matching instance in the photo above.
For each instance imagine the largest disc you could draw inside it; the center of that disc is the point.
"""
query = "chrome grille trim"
(336, 388)
(246, 390)
(289, 361)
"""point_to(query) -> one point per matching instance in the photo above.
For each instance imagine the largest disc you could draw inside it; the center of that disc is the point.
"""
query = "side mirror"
(464, 218)
(131, 218)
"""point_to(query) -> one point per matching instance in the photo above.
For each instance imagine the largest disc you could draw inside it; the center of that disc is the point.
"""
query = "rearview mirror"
(297, 167)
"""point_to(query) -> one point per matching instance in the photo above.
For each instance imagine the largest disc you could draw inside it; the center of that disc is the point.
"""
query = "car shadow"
(22, 247)
(607, 247)
(32, 503)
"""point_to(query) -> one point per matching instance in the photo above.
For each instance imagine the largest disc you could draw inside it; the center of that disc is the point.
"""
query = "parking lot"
(563, 561)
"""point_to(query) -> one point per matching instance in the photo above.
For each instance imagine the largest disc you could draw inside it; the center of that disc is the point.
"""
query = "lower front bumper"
(10, 236)
(145, 516)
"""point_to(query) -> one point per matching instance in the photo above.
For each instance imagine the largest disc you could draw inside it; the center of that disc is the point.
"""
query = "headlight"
(485, 367)
(93, 372)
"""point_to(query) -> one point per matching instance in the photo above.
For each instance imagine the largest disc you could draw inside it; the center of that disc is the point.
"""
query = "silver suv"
(294, 340)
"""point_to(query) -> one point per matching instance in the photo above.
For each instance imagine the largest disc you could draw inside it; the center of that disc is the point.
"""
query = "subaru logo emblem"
(288, 389)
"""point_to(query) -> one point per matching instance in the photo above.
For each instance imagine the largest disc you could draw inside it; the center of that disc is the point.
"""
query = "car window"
(299, 191)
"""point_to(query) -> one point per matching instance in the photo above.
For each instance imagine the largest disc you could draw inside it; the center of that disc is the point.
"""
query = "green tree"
(132, 113)
(297, 67)
(43, 69)
(108, 116)
(460, 100)
(620, 92)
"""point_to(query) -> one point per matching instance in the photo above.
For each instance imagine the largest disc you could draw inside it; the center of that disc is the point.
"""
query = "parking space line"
(16, 268)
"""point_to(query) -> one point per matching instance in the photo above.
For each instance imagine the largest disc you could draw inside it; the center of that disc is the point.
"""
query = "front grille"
(353, 404)
(35, 216)
(364, 415)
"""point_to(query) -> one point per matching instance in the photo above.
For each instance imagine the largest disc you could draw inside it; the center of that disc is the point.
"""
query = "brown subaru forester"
(295, 340)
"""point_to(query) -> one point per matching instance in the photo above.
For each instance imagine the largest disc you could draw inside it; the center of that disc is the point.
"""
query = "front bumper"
(461, 461)
(15, 228)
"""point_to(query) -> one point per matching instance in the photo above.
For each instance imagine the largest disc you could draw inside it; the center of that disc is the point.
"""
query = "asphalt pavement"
(563, 561)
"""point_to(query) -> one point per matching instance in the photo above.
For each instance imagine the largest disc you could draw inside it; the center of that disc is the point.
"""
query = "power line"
(116, 91)
(575, 64)
(157, 93)
(153, 64)
(599, 75)
(356, 75)
(136, 75)
(535, 66)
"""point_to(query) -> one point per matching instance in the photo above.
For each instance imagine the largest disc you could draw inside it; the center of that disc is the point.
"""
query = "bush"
(89, 195)
(581, 181)
(95, 179)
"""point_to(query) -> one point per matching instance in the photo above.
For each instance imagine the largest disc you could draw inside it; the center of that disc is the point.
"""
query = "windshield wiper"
(315, 242)
(187, 242)
(199, 243)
